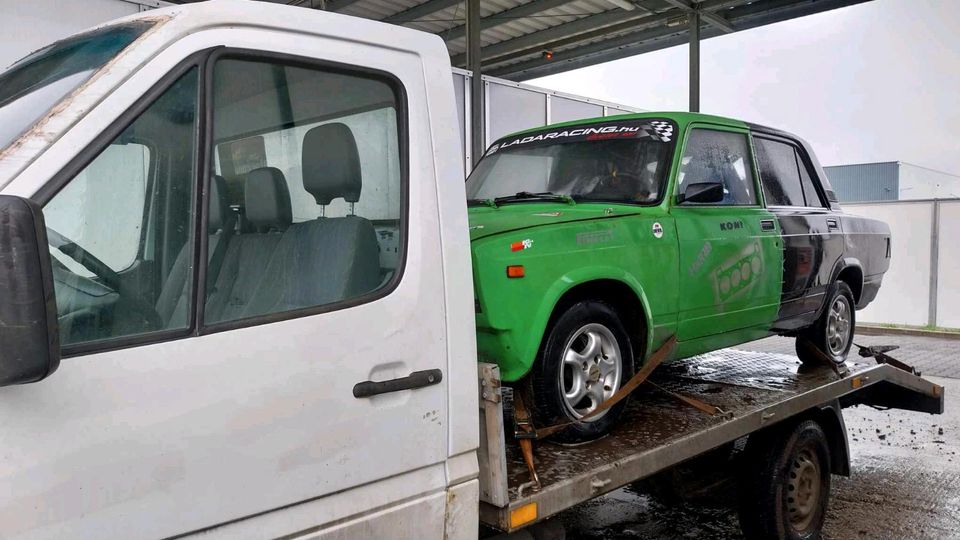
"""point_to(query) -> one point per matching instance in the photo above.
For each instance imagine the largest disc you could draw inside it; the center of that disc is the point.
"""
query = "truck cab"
(228, 191)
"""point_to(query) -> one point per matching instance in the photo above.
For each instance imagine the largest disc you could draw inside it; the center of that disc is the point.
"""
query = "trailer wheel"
(832, 333)
(584, 360)
(785, 484)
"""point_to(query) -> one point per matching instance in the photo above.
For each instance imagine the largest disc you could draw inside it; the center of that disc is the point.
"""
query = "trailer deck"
(657, 431)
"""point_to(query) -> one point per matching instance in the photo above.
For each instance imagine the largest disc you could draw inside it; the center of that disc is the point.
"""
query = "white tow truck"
(238, 303)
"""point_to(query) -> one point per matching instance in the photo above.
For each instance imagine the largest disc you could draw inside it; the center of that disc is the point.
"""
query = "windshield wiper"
(529, 196)
(485, 202)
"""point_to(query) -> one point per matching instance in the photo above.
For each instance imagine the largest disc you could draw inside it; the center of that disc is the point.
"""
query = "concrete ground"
(905, 480)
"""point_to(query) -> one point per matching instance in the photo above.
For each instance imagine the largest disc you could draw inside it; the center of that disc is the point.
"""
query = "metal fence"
(922, 287)
(510, 106)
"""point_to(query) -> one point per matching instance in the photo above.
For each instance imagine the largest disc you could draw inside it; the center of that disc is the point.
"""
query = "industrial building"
(891, 181)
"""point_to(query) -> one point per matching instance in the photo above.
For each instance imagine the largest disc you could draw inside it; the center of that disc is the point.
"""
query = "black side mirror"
(701, 192)
(29, 336)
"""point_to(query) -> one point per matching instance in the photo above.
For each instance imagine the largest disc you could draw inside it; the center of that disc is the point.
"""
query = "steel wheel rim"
(803, 490)
(838, 325)
(591, 370)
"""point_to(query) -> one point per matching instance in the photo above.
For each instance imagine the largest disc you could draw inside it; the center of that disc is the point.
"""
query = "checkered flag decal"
(663, 130)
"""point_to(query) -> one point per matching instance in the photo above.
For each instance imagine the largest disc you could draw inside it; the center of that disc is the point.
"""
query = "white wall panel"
(514, 109)
(27, 26)
(948, 287)
(904, 296)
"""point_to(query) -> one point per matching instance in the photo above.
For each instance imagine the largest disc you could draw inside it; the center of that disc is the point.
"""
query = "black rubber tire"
(816, 335)
(544, 385)
(764, 490)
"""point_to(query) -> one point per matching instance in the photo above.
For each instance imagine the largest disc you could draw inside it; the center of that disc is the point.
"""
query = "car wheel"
(785, 486)
(832, 333)
(585, 359)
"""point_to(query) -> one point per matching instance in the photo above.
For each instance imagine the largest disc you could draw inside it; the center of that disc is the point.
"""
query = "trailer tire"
(785, 483)
(832, 333)
(551, 376)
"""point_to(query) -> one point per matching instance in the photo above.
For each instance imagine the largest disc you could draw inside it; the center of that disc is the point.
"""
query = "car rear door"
(811, 232)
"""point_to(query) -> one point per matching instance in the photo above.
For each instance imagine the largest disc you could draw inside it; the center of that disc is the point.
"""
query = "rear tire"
(587, 356)
(785, 486)
(832, 333)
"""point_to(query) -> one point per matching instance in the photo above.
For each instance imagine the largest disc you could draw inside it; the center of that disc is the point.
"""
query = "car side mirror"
(701, 192)
(29, 336)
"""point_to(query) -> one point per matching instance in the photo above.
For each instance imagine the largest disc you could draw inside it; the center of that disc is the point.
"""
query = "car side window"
(120, 231)
(307, 204)
(810, 192)
(779, 174)
(713, 156)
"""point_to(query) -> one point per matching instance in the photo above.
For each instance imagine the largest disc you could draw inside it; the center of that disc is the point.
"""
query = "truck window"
(120, 230)
(311, 161)
(719, 156)
(779, 173)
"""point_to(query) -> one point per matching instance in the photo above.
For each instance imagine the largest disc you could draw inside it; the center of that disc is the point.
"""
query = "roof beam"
(743, 17)
(337, 5)
(490, 21)
(420, 11)
(580, 26)
(712, 18)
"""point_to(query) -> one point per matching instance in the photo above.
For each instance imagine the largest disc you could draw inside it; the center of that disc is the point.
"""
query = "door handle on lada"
(767, 225)
(417, 379)
(832, 225)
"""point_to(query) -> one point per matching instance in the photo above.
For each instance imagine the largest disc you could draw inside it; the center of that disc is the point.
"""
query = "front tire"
(587, 356)
(832, 333)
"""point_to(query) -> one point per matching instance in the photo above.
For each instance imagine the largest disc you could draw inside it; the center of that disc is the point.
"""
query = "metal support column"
(476, 82)
(694, 22)
(934, 266)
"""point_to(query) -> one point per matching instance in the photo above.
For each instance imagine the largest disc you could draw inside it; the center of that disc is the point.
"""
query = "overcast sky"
(873, 82)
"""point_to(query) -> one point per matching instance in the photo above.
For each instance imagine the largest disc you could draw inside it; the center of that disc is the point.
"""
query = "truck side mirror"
(701, 192)
(29, 336)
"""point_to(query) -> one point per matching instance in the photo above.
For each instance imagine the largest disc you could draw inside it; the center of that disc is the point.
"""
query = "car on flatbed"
(595, 241)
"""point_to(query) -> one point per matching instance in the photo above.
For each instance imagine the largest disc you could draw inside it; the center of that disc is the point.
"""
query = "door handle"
(832, 225)
(767, 225)
(417, 379)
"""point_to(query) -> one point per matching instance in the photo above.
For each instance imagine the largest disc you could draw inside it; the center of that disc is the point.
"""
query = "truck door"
(294, 264)
(810, 231)
(729, 249)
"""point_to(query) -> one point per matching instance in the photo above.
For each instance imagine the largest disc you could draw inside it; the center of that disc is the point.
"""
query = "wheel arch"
(850, 271)
(621, 291)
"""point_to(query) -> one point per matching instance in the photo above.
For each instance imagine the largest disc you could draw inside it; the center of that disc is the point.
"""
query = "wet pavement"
(905, 480)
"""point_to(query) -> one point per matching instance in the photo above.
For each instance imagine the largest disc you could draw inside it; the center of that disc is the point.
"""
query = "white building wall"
(918, 182)
(948, 277)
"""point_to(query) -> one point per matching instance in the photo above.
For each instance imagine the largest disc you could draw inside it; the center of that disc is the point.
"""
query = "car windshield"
(32, 86)
(623, 161)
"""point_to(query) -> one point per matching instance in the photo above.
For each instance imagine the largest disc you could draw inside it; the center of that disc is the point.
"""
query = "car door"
(729, 249)
(163, 421)
(812, 240)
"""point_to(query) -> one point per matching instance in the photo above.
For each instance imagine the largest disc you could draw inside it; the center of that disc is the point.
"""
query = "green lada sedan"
(595, 241)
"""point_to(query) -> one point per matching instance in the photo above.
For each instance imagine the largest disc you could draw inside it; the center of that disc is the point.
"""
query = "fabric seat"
(249, 255)
(327, 259)
(172, 303)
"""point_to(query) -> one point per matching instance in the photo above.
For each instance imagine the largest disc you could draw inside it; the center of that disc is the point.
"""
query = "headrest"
(331, 164)
(220, 211)
(267, 199)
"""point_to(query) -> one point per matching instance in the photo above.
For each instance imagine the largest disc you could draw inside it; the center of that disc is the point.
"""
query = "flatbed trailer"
(751, 392)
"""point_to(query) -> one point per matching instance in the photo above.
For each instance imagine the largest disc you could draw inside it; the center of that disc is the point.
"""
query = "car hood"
(486, 221)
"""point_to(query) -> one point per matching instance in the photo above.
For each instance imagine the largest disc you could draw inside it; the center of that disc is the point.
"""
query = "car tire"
(785, 483)
(832, 333)
(586, 357)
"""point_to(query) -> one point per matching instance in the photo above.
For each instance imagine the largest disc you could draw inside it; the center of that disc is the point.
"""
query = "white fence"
(922, 286)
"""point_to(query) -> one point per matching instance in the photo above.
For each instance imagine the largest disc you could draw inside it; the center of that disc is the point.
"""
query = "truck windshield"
(32, 86)
(624, 161)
